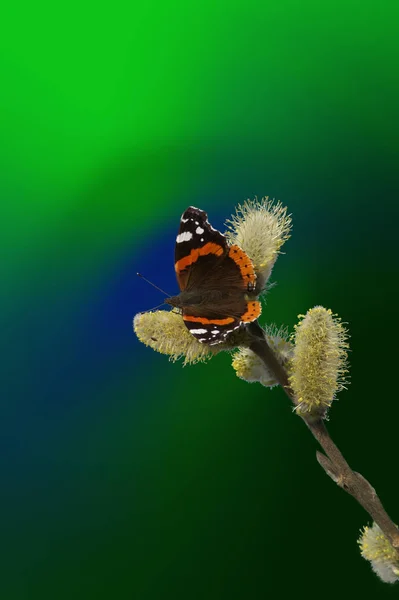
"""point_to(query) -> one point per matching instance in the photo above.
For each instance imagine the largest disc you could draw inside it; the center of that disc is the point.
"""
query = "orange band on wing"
(244, 263)
(186, 261)
(209, 321)
(254, 308)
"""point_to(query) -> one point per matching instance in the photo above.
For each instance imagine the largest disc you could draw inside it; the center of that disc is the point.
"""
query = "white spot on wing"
(184, 220)
(198, 331)
(215, 331)
(199, 230)
(184, 237)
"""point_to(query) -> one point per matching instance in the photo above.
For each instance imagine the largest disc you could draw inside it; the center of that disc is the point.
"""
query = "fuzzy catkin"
(260, 228)
(376, 548)
(165, 332)
(250, 367)
(318, 367)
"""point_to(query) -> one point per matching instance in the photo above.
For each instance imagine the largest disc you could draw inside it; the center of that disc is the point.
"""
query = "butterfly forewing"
(196, 238)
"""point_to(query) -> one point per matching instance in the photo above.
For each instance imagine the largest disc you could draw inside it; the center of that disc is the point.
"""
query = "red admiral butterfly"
(217, 281)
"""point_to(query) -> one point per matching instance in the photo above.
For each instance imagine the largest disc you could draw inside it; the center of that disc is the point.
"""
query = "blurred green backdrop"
(123, 475)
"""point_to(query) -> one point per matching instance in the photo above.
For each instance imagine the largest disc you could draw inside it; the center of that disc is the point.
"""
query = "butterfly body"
(217, 281)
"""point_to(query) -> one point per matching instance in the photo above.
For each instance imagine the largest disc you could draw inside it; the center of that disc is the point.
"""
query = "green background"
(125, 476)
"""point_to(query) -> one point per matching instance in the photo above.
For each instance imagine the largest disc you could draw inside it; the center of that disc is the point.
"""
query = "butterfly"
(217, 281)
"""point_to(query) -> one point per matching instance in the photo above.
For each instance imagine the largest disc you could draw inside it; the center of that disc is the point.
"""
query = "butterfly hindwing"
(210, 330)
(211, 327)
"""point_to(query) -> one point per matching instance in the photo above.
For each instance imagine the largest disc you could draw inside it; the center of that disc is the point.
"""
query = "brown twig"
(333, 462)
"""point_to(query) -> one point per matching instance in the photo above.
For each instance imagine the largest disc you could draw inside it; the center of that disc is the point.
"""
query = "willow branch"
(333, 462)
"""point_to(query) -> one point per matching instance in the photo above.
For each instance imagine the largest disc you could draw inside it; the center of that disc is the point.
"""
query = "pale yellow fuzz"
(165, 332)
(376, 548)
(251, 368)
(260, 228)
(318, 367)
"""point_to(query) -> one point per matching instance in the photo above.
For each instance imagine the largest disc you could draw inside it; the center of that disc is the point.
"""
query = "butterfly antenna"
(153, 285)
